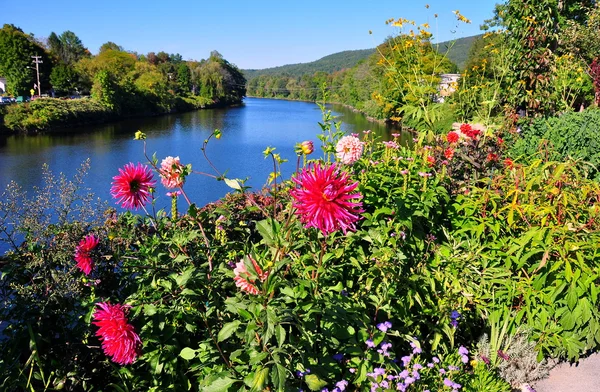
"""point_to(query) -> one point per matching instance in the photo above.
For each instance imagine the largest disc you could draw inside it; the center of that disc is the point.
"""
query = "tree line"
(124, 81)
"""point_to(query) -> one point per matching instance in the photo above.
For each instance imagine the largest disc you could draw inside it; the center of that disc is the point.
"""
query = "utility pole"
(37, 61)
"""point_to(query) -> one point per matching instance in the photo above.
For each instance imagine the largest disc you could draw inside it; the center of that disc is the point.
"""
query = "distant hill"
(458, 53)
(333, 62)
(458, 50)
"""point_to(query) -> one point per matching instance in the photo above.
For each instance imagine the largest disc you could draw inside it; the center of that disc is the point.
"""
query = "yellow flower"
(425, 25)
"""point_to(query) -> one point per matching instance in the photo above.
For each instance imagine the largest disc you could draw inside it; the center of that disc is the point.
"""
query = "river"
(246, 131)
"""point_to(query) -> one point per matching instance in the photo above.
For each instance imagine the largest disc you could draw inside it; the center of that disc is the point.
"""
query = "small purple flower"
(409, 380)
(344, 293)
(338, 357)
(417, 366)
(406, 360)
(383, 327)
(442, 371)
(448, 382)
(370, 343)
(416, 375)
(341, 385)
(435, 360)
(430, 365)
(379, 371)
(404, 374)
(384, 384)
(453, 368)
(352, 370)
(462, 350)
(464, 359)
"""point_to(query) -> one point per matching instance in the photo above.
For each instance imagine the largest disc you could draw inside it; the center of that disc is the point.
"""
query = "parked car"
(21, 99)
(5, 101)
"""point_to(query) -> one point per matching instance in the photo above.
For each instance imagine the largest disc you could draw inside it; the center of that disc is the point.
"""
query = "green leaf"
(228, 330)
(149, 310)
(221, 384)
(187, 353)
(280, 335)
(259, 380)
(233, 184)
(314, 382)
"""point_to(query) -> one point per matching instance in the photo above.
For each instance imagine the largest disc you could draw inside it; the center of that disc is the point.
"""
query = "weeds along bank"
(447, 265)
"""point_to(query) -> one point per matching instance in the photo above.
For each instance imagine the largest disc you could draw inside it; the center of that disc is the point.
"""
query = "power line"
(37, 61)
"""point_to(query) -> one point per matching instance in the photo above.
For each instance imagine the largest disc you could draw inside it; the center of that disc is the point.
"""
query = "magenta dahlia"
(83, 252)
(326, 199)
(132, 186)
(118, 337)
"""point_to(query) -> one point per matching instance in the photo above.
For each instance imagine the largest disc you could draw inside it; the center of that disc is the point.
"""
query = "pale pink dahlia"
(83, 253)
(349, 149)
(244, 280)
(132, 186)
(118, 337)
(171, 172)
(326, 199)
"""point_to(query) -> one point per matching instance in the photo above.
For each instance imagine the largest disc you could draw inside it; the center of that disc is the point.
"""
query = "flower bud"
(307, 147)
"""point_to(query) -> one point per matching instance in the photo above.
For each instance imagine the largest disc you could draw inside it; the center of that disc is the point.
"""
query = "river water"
(246, 131)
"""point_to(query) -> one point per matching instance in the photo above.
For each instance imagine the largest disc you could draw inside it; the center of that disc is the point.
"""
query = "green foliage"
(67, 47)
(572, 135)
(63, 79)
(47, 113)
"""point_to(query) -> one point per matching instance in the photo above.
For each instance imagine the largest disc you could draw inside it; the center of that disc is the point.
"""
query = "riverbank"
(48, 114)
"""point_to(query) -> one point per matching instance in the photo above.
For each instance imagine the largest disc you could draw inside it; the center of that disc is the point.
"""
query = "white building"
(448, 85)
(2, 85)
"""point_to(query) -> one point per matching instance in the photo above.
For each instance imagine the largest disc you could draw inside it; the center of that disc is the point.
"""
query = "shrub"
(572, 135)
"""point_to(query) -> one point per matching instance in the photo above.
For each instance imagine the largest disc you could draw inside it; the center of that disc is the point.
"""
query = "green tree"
(67, 47)
(184, 78)
(16, 49)
(64, 79)
(110, 46)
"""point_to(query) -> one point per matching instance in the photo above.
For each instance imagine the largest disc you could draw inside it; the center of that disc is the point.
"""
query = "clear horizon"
(257, 35)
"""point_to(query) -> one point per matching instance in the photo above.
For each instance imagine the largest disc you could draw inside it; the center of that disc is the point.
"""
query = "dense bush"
(572, 135)
(49, 113)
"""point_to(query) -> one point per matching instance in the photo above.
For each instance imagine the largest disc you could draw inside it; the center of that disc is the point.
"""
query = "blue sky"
(250, 34)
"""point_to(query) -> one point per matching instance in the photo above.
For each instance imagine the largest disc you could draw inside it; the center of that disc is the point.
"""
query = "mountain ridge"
(457, 52)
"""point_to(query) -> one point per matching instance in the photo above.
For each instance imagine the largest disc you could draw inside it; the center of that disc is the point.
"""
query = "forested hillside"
(333, 62)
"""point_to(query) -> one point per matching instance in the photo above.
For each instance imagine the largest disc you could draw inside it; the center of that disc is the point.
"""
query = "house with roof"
(2, 85)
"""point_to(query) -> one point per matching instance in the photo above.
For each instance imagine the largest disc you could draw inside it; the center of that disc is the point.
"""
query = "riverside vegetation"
(121, 83)
(463, 262)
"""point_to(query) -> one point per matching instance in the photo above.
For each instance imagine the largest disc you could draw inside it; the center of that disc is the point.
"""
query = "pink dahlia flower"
(307, 147)
(118, 337)
(349, 149)
(83, 253)
(171, 172)
(244, 280)
(132, 186)
(326, 199)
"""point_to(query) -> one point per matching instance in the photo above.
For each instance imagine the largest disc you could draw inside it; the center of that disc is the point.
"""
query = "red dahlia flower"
(449, 153)
(452, 137)
(82, 253)
(132, 186)
(326, 199)
(118, 337)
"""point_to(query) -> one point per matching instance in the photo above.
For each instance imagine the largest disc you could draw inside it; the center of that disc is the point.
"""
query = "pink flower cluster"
(83, 252)
(118, 337)
(171, 172)
(326, 199)
(349, 149)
